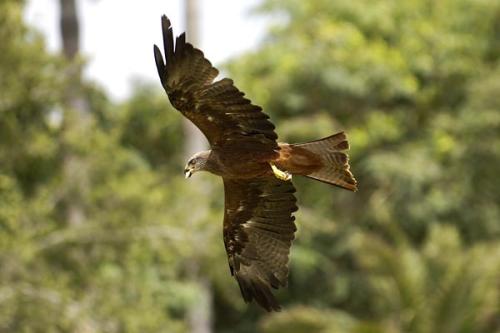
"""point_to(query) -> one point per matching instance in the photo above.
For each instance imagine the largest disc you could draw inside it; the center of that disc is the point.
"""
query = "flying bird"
(256, 169)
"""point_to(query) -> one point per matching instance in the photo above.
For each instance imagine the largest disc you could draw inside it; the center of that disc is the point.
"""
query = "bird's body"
(256, 170)
(230, 165)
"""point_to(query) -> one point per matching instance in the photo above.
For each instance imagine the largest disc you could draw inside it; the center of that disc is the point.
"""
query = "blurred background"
(99, 231)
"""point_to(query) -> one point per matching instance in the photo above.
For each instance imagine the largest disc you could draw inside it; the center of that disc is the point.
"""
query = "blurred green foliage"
(415, 85)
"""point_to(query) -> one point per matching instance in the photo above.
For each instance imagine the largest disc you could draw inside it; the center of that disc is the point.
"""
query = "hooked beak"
(187, 173)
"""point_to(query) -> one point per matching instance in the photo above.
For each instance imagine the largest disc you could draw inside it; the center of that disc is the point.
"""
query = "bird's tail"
(335, 162)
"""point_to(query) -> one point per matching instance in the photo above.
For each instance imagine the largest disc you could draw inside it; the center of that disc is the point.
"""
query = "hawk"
(258, 226)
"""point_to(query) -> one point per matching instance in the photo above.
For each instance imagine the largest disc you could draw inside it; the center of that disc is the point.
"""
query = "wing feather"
(258, 232)
(217, 108)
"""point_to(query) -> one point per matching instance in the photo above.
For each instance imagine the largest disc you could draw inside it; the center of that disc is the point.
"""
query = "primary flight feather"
(256, 170)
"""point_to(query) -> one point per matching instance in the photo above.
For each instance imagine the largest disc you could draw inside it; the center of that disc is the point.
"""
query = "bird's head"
(197, 162)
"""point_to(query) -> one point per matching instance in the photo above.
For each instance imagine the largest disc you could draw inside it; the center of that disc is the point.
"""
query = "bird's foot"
(280, 174)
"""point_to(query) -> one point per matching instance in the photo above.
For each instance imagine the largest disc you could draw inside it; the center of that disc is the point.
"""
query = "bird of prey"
(258, 225)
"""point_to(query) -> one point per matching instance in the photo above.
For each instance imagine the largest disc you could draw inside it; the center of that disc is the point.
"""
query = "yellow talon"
(283, 175)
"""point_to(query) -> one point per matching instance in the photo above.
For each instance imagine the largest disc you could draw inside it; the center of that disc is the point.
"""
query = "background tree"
(405, 81)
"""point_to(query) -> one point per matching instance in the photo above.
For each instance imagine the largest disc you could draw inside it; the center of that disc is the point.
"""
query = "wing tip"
(180, 43)
(160, 64)
(157, 52)
(168, 39)
(254, 289)
(165, 21)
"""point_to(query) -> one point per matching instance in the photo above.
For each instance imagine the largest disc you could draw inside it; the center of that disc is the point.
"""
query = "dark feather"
(218, 108)
(258, 232)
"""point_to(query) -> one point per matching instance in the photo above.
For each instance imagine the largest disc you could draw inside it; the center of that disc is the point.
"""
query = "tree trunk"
(70, 28)
(194, 140)
(200, 314)
(76, 117)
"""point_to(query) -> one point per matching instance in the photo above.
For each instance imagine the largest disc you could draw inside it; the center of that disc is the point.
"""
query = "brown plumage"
(324, 160)
(258, 215)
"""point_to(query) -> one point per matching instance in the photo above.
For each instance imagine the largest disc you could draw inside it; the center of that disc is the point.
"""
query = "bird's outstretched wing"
(258, 231)
(218, 108)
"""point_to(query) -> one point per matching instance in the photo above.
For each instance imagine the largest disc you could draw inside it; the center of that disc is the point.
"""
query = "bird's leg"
(280, 174)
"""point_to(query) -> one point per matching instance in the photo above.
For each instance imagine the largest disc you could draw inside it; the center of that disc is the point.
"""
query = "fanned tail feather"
(335, 169)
